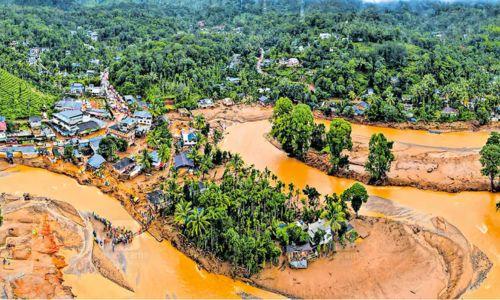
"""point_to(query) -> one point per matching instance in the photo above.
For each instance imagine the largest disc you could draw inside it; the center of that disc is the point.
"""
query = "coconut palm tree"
(197, 222)
(146, 160)
(164, 153)
(182, 210)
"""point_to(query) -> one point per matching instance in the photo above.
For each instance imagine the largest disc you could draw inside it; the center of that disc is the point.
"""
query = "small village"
(106, 134)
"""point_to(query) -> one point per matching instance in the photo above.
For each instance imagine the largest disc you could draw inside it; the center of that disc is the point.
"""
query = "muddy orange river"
(156, 270)
(458, 139)
(472, 212)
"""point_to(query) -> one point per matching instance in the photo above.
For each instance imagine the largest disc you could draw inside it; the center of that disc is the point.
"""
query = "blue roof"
(129, 98)
(96, 161)
(70, 113)
(155, 157)
(128, 121)
(96, 141)
(142, 114)
(22, 149)
(192, 136)
(70, 104)
(364, 104)
(181, 161)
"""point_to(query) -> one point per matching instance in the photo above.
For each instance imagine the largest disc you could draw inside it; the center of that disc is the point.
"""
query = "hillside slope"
(19, 99)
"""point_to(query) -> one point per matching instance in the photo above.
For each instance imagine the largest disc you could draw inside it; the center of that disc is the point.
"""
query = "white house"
(143, 118)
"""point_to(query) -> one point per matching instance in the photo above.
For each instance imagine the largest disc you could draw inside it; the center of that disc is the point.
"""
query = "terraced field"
(19, 99)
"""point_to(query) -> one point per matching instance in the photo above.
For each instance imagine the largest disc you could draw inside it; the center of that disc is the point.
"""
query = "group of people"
(117, 235)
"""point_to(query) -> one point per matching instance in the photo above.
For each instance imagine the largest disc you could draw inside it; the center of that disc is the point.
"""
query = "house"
(24, 151)
(157, 163)
(325, 36)
(68, 104)
(3, 128)
(182, 161)
(94, 90)
(129, 99)
(124, 130)
(450, 112)
(94, 36)
(264, 100)
(196, 189)
(291, 62)
(48, 133)
(205, 103)
(319, 232)
(124, 166)
(102, 114)
(143, 118)
(184, 112)
(360, 108)
(35, 122)
(234, 80)
(76, 88)
(157, 201)
(95, 142)
(227, 102)
(298, 255)
(66, 122)
(189, 138)
(89, 127)
(96, 161)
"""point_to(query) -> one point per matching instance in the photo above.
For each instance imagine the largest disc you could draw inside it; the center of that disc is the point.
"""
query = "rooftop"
(144, 114)
(156, 197)
(69, 114)
(181, 161)
(123, 163)
(96, 161)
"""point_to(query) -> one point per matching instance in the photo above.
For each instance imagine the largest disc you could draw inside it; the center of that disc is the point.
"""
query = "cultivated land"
(19, 99)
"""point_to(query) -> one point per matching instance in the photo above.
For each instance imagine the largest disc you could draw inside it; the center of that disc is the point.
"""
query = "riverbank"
(415, 166)
(439, 163)
(253, 112)
(132, 198)
(43, 239)
(393, 260)
(438, 126)
(153, 269)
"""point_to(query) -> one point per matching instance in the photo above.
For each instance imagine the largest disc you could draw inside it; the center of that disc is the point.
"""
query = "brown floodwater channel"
(452, 139)
(155, 270)
(472, 212)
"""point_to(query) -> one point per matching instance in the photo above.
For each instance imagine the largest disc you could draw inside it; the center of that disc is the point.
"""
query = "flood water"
(472, 212)
(155, 270)
(458, 139)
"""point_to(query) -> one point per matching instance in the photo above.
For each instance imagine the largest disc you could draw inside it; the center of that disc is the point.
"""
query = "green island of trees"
(249, 216)
(490, 160)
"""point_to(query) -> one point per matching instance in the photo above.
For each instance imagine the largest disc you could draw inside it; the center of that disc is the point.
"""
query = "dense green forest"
(428, 54)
